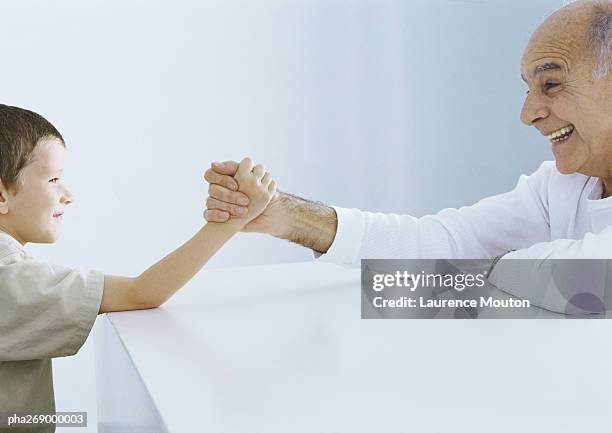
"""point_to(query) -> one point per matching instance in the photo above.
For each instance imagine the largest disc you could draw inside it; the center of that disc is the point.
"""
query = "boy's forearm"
(158, 283)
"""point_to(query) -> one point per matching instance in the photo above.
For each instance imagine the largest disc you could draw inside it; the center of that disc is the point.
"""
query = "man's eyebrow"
(545, 67)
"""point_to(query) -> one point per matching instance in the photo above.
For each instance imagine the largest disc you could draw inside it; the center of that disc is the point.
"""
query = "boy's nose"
(67, 197)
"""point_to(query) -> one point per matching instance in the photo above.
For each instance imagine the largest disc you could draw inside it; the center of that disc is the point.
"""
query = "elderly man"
(559, 211)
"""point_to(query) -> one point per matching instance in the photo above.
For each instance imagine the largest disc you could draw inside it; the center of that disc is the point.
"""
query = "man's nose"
(534, 109)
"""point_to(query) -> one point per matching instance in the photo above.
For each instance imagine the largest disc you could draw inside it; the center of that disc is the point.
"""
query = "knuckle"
(219, 194)
(213, 176)
(219, 216)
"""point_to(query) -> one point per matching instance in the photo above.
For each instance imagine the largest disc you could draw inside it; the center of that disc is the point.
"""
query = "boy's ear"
(3, 199)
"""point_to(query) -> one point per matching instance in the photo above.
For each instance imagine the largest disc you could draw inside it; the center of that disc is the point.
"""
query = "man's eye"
(550, 85)
(54, 180)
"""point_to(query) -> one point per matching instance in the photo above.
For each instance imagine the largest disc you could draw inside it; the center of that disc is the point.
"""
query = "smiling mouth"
(561, 135)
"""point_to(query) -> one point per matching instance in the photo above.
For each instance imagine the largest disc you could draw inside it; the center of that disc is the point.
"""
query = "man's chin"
(564, 166)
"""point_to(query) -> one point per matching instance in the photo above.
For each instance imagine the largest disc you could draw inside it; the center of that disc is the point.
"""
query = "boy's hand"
(258, 185)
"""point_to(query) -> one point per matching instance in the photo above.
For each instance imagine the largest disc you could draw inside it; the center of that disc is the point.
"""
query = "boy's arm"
(158, 283)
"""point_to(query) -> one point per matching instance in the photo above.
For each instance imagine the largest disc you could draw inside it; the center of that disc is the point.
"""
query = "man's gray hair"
(600, 36)
(600, 39)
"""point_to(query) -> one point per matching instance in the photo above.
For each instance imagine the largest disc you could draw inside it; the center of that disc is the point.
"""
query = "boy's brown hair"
(20, 131)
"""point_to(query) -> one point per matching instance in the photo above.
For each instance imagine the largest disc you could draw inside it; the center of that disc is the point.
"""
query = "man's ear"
(3, 199)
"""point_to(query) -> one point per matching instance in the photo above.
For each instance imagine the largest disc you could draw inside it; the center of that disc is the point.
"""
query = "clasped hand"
(241, 191)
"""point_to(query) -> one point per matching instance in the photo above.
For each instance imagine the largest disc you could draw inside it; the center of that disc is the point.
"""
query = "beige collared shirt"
(46, 311)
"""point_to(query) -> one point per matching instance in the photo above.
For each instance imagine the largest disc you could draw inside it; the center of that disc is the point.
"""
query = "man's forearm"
(158, 283)
(308, 223)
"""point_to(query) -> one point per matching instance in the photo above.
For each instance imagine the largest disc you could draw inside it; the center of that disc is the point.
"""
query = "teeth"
(563, 131)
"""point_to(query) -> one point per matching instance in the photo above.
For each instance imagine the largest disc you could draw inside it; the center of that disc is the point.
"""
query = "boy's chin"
(52, 239)
(46, 238)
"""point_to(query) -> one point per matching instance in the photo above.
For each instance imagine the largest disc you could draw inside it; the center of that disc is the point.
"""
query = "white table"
(283, 349)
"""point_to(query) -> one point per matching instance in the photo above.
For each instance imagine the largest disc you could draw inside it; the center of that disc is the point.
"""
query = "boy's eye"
(54, 180)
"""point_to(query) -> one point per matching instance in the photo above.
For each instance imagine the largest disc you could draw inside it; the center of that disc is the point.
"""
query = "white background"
(391, 106)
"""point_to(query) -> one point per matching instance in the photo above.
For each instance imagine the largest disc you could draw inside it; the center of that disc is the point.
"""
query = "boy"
(47, 310)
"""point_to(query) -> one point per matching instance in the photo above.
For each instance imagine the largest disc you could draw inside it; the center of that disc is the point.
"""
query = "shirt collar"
(9, 241)
(594, 189)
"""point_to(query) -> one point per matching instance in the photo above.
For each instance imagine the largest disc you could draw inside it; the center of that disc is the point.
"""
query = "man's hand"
(287, 216)
(224, 201)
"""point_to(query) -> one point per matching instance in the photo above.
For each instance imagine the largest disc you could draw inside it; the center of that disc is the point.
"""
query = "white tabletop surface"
(282, 348)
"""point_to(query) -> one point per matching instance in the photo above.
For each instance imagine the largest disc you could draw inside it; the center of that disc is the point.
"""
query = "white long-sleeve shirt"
(548, 215)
